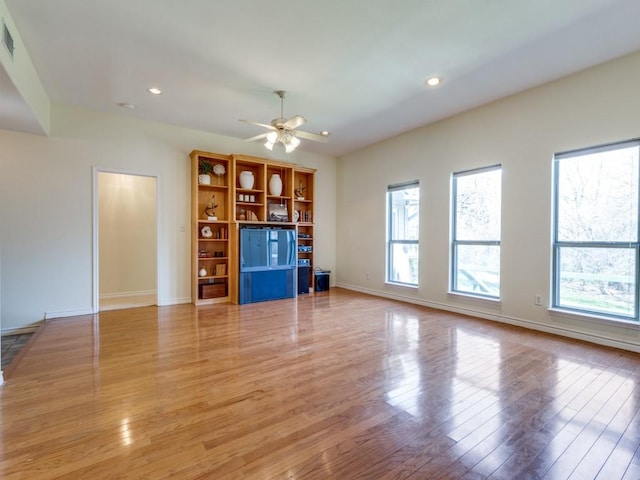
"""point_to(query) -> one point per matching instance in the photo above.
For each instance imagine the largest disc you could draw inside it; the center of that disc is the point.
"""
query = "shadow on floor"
(11, 346)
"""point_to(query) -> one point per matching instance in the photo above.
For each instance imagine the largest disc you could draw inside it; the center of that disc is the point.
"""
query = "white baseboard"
(166, 302)
(519, 322)
(20, 330)
(67, 313)
(117, 301)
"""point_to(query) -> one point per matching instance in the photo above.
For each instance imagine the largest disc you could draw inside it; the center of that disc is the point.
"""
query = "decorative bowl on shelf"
(219, 169)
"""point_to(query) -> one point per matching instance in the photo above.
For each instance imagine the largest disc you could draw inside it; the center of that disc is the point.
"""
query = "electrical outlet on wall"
(538, 299)
(367, 275)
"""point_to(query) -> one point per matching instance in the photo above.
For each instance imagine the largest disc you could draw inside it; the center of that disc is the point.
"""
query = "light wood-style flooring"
(337, 385)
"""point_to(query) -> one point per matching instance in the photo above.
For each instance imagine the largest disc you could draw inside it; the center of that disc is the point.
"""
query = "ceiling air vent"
(7, 39)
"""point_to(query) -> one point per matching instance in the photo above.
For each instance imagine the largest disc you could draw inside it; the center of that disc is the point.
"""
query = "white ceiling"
(354, 67)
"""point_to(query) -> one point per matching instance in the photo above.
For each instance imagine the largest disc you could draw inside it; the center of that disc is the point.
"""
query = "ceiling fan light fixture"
(290, 143)
(272, 137)
(283, 131)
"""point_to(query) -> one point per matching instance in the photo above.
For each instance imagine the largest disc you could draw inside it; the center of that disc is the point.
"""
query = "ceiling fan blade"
(311, 136)
(263, 125)
(294, 122)
(257, 137)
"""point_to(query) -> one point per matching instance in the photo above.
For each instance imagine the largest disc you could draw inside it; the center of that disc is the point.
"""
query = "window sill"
(558, 312)
(407, 286)
(478, 298)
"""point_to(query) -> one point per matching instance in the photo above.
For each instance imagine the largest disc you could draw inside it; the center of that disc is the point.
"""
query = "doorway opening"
(126, 234)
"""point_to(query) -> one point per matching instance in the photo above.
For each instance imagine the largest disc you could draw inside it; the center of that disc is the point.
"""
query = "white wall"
(46, 206)
(522, 133)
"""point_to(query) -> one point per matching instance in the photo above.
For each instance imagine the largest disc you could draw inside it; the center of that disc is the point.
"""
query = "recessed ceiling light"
(130, 106)
(325, 133)
(154, 90)
(433, 81)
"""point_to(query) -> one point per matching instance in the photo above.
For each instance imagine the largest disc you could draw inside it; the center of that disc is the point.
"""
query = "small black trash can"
(322, 280)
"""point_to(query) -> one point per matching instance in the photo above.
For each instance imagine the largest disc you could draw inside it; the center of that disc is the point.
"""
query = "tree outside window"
(403, 224)
(596, 230)
(477, 202)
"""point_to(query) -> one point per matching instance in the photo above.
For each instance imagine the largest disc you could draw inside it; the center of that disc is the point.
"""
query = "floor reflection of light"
(592, 406)
(125, 432)
(474, 393)
(403, 369)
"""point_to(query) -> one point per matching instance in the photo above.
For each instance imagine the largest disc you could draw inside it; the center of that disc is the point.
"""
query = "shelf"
(266, 223)
(213, 187)
(219, 222)
(248, 190)
(250, 204)
(303, 200)
(216, 195)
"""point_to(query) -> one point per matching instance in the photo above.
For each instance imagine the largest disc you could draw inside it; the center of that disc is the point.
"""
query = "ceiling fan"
(284, 131)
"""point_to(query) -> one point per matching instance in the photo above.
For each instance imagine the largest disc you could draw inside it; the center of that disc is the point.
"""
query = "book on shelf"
(221, 269)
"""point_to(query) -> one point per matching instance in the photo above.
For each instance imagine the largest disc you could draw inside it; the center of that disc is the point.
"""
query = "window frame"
(455, 243)
(391, 242)
(558, 245)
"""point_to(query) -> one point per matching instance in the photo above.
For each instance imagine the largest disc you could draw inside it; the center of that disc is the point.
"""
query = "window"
(475, 255)
(403, 222)
(595, 247)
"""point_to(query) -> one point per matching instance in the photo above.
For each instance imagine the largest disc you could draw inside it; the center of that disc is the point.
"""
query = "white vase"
(203, 272)
(275, 185)
(204, 179)
(246, 180)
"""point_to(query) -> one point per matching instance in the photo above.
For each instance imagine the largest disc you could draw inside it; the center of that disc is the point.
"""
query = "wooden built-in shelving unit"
(215, 256)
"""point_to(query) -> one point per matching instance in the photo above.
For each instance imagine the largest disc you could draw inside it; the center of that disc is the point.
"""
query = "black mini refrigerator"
(322, 280)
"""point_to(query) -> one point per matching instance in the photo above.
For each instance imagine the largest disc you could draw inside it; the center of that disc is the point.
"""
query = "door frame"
(95, 301)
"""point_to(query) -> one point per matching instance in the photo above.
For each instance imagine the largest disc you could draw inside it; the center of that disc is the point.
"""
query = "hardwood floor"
(336, 385)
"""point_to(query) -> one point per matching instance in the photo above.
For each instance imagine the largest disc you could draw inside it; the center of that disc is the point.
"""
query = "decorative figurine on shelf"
(300, 191)
(203, 272)
(219, 171)
(206, 232)
(210, 211)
